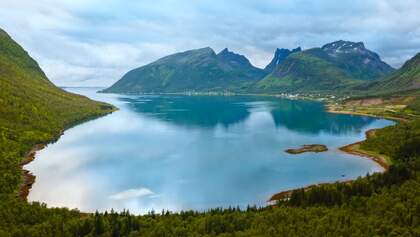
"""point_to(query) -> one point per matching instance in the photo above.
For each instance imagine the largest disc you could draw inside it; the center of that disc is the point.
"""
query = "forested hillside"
(33, 111)
(407, 78)
(396, 96)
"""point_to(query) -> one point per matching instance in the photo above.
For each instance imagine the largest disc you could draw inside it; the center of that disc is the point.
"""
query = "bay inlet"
(177, 152)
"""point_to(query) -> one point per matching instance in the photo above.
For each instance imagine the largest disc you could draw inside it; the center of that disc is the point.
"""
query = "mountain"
(240, 62)
(193, 70)
(335, 66)
(32, 110)
(25, 88)
(305, 71)
(356, 60)
(279, 56)
(404, 79)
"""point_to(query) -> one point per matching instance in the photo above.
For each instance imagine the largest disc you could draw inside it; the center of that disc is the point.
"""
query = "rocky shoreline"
(286, 194)
(355, 150)
(28, 177)
(350, 149)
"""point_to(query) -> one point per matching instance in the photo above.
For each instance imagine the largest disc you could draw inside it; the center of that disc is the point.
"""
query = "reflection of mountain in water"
(311, 117)
(203, 111)
(208, 111)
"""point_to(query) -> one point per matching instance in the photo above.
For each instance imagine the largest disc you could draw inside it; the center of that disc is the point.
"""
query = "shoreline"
(349, 149)
(287, 193)
(28, 178)
(352, 149)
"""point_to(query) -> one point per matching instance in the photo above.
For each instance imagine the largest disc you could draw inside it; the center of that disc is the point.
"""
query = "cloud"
(132, 193)
(95, 43)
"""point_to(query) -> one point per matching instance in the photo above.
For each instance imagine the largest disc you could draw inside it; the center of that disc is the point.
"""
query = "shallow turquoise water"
(184, 152)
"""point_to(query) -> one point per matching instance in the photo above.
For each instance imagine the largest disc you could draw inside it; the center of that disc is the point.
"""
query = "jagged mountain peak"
(345, 47)
(280, 51)
(225, 51)
(355, 56)
(343, 43)
(233, 57)
(279, 56)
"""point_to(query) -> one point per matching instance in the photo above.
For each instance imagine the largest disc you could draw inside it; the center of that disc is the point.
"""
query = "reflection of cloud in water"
(132, 193)
(70, 190)
(258, 121)
(150, 161)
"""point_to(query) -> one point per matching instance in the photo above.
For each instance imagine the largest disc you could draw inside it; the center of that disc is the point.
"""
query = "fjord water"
(195, 152)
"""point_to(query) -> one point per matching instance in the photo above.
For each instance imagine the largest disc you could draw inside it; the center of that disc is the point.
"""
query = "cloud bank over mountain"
(94, 42)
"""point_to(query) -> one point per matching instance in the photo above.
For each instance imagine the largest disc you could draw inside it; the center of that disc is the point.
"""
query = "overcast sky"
(94, 42)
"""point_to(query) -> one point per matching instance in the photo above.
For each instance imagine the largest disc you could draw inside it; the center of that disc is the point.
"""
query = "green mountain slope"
(335, 67)
(193, 70)
(356, 60)
(407, 78)
(304, 72)
(32, 110)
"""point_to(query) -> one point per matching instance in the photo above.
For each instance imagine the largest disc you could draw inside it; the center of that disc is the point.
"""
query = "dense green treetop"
(32, 110)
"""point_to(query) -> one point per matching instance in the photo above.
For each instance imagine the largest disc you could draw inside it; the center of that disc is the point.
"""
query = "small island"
(308, 148)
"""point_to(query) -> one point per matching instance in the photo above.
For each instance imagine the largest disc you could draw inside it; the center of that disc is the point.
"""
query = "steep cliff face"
(279, 56)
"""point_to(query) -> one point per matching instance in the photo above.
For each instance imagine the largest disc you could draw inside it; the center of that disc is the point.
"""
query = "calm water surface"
(181, 152)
